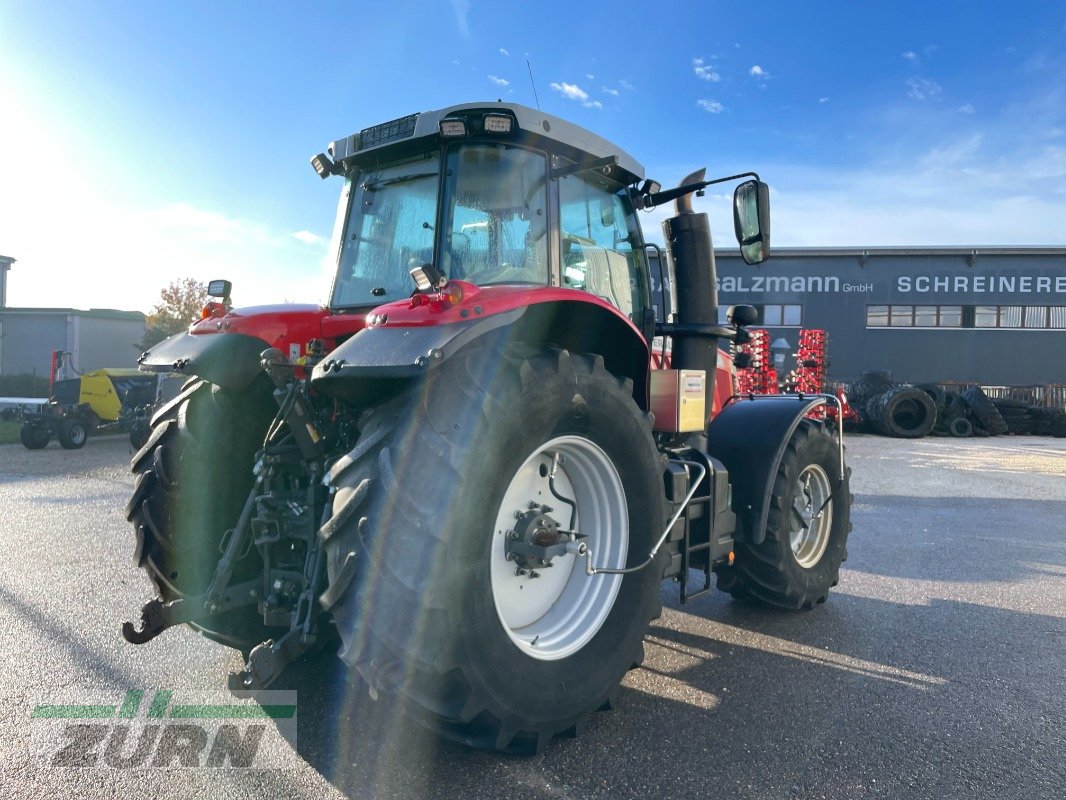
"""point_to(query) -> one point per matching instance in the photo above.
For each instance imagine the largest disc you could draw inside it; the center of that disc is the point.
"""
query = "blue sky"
(143, 142)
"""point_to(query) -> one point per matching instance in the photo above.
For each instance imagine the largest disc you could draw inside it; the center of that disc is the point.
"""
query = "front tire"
(799, 559)
(424, 503)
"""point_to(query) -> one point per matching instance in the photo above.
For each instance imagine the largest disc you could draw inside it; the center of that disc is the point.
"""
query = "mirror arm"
(657, 199)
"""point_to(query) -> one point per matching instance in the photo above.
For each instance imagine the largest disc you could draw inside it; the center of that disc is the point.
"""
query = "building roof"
(94, 313)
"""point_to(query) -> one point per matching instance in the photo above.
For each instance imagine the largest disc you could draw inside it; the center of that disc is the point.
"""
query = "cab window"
(600, 246)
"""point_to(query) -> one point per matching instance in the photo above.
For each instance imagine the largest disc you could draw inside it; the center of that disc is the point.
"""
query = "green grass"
(9, 432)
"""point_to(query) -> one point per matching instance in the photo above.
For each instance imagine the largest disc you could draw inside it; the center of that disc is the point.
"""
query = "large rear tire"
(438, 617)
(799, 559)
(193, 477)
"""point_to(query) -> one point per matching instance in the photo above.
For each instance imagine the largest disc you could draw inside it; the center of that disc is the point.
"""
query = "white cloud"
(966, 108)
(910, 56)
(1010, 199)
(462, 11)
(612, 92)
(704, 72)
(308, 238)
(571, 91)
(923, 89)
(499, 81)
(627, 86)
(590, 76)
(823, 99)
(711, 106)
(593, 104)
(503, 51)
(758, 72)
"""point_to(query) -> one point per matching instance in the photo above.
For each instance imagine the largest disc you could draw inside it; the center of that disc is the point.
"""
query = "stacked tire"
(1015, 415)
(984, 415)
(905, 412)
(901, 410)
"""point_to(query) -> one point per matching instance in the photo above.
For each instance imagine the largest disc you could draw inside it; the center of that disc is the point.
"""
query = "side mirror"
(742, 316)
(751, 219)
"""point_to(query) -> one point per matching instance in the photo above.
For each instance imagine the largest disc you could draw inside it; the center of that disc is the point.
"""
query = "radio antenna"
(533, 84)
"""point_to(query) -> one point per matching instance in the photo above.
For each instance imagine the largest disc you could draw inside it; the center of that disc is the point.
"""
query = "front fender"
(749, 436)
(230, 360)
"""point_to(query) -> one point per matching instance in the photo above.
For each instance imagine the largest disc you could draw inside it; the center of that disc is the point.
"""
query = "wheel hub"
(812, 516)
(536, 539)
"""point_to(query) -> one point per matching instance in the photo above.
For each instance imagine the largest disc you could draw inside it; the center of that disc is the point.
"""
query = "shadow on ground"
(860, 697)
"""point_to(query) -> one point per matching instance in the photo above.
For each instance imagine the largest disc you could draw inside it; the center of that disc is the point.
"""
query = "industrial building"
(94, 339)
(989, 315)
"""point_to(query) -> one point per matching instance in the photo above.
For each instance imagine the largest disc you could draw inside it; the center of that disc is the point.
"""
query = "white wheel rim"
(556, 614)
(77, 434)
(809, 536)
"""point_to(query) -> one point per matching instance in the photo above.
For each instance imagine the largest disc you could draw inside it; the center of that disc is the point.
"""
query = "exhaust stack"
(688, 238)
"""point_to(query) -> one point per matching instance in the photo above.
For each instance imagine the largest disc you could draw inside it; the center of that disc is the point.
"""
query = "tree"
(181, 303)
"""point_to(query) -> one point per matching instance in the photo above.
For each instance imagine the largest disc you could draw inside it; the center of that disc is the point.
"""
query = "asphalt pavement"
(935, 670)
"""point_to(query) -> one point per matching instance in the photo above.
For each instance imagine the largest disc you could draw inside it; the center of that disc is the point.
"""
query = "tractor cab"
(490, 195)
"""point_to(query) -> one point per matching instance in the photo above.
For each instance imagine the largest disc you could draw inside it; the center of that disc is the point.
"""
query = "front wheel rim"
(554, 615)
(811, 515)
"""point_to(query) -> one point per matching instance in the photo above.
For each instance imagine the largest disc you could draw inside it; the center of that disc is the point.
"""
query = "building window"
(1010, 316)
(793, 315)
(1036, 316)
(771, 315)
(901, 316)
(985, 316)
(876, 316)
(914, 316)
(950, 317)
(775, 315)
(925, 316)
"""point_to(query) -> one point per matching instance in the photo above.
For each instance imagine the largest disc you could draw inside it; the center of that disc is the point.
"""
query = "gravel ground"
(935, 670)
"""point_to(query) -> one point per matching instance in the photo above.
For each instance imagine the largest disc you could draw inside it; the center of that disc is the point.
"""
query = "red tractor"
(469, 466)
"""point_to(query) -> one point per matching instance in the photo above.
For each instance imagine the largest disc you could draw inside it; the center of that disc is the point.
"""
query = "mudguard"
(230, 360)
(379, 359)
(749, 436)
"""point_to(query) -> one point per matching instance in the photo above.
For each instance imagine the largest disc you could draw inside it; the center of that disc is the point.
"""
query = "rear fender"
(380, 360)
(749, 436)
(230, 360)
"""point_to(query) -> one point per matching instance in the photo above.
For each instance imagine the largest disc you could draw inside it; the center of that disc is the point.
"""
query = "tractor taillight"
(452, 293)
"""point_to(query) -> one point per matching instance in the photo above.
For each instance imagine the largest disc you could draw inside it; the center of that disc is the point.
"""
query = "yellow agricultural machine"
(96, 401)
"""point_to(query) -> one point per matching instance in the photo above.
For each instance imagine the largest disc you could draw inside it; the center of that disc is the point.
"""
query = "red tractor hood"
(286, 326)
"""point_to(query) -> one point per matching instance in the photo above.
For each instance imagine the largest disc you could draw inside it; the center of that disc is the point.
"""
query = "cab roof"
(533, 127)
